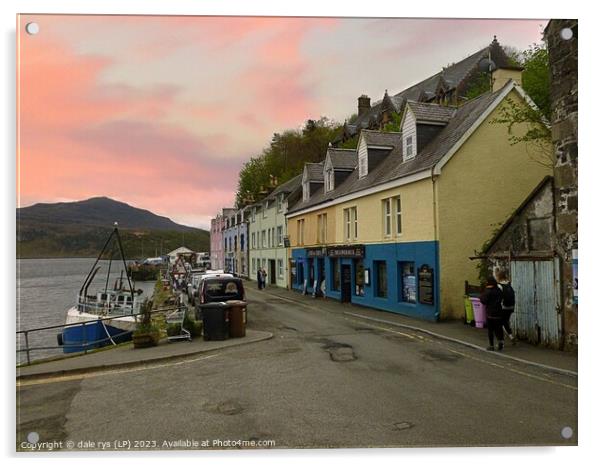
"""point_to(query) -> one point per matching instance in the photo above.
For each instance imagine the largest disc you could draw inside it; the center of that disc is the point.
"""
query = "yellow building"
(392, 224)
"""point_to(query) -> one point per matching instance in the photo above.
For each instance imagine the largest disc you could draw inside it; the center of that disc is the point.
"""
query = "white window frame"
(398, 216)
(387, 218)
(280, 235)
(279, 201)
(280, 264)
(263, 238)
(409, 143)
(347, 223)
(300, 231)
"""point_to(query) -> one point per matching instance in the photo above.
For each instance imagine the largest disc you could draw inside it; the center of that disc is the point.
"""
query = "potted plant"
(147, 334)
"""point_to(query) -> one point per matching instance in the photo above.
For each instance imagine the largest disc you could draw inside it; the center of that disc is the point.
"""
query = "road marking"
(67, 378)
(423, 339)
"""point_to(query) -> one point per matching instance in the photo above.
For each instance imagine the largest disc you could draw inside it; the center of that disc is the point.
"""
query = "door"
(272, 272)
(536, 316)
(345, 283)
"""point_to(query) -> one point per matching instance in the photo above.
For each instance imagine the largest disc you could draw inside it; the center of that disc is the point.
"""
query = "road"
(324, 380)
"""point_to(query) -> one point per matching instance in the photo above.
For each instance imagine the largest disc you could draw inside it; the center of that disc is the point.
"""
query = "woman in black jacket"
(492, 299)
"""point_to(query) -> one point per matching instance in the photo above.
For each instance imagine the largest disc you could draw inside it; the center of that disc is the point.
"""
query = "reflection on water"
(46, 288)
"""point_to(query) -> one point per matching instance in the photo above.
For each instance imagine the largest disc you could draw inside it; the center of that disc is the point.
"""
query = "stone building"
(561, 37)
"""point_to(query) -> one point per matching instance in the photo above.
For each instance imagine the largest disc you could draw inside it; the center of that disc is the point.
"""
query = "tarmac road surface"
(324, 380)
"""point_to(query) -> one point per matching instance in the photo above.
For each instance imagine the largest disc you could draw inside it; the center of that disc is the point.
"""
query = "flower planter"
(145, 340)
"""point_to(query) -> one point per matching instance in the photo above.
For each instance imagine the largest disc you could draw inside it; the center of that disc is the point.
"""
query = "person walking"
(492, 299)
(259, 278)
(264, 275)
(507, 303)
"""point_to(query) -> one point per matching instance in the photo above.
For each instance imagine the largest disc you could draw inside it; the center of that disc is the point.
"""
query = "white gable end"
(408, 135)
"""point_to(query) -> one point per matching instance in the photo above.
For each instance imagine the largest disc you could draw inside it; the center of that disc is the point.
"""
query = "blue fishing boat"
(107, 317)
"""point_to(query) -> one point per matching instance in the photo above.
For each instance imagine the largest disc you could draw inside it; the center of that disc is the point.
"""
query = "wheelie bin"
(238, 318)
(216, 321)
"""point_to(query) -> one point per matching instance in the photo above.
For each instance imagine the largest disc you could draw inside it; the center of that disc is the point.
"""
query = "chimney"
(363, 104)
(501, 76)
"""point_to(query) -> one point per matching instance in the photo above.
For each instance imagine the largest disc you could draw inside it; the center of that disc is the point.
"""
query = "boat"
(106, 317)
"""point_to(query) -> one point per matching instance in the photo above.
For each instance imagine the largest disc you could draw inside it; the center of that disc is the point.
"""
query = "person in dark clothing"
(492, 299)
(259, 279)
(507, 302)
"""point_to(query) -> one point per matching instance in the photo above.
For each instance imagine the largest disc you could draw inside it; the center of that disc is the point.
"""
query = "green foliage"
(527, 124)
(73, 240)
(393, 125)
(146, 324)
(483, 264)
(284, 158)
(480, 84)
(350, 143)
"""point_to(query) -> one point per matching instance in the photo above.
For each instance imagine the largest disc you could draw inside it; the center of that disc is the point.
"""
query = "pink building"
(217, 238)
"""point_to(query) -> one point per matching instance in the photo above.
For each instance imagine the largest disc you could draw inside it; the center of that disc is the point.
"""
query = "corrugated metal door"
(536, 316)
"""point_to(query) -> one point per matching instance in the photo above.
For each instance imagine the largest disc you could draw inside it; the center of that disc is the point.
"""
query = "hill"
(79, 229)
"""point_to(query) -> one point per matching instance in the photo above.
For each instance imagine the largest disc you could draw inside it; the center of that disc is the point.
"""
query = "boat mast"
(96, 262)
(124, 264)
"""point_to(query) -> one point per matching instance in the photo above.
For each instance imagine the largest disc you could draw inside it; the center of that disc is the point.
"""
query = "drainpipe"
(436, 236)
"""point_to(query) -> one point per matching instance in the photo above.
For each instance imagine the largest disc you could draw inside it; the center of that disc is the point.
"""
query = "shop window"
(381, 278)
(300, 273)
(336, 275)
(408, 282)
(359, 277)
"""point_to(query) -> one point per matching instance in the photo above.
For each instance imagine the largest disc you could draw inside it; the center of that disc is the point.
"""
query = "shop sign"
(316, 252)
(346, 251)
(425, 284)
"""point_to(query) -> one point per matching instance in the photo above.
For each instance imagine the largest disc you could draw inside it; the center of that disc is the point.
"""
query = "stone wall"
(563, 86)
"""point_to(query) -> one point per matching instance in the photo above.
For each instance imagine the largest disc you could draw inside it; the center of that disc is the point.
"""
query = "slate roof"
(379, 138)
(451, 75)
(431, 112)
(315, 171)
(392, 167)
(342, 159)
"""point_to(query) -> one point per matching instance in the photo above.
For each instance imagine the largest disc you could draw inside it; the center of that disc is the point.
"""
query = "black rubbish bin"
(216, 321)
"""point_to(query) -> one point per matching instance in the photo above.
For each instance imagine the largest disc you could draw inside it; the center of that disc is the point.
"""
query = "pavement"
(126, 356)
(326, 379)
(454, 331)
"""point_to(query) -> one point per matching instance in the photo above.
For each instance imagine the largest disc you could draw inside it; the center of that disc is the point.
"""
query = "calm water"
(46, 288)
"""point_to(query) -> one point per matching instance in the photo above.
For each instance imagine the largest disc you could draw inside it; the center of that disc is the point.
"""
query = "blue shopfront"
(395, 277)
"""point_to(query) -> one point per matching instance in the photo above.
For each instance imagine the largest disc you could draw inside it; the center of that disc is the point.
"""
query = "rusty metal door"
(536, 317)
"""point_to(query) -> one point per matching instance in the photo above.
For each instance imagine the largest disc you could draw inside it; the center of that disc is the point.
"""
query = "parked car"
(221, 288)
(199, 278)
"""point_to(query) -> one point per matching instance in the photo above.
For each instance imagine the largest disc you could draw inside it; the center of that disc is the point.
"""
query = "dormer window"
(329, 178)
(279, 203)
(409, 147)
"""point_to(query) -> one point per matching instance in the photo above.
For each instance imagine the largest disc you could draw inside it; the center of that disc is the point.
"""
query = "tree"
(536, 83)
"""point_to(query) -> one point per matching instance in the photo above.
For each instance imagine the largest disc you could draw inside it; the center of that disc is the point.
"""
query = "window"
(265, 209)
(329, 180)
(269, 238)
(322, 228)
(387, 217)
(306, 191)
(409, 147)
(408, 282)
(336, 275)
(300, 231)
(279, 236)
(359, 277)
(350, 223)
(242, 242)
(280, 268)
(397, 203)
(279, 201)
(253, 263)
(273, 237)
(253, 243)
(381, 278)
(263, 238)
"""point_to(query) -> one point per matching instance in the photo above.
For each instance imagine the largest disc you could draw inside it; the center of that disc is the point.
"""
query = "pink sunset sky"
(162, 112)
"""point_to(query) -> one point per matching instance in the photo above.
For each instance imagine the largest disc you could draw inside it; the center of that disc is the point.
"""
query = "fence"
(84, 344)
